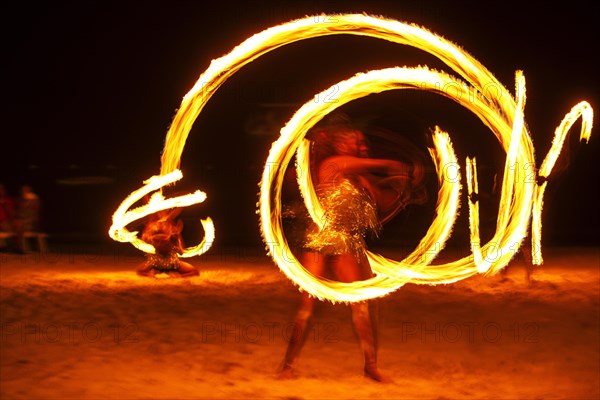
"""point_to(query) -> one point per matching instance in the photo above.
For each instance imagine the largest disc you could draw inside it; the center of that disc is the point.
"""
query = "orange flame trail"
(123, 216)
(585, 111)
(474, 90)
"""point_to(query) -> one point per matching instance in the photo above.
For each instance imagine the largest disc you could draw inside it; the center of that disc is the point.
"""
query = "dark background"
(90, 88)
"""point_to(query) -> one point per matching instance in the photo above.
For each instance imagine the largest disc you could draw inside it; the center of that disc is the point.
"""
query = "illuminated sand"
(78, 326)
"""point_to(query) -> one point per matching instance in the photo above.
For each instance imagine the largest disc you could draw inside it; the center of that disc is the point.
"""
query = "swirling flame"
(501, 114)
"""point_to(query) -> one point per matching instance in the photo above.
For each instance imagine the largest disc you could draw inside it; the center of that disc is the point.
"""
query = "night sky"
(90, 88)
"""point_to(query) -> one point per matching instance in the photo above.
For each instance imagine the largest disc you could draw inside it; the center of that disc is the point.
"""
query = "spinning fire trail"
(476, 89)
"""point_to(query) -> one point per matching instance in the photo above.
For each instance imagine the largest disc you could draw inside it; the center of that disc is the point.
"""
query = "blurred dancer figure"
(356, 192)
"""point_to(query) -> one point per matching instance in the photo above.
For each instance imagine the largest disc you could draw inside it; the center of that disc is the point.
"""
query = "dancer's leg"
(348, 269)
(315, 263)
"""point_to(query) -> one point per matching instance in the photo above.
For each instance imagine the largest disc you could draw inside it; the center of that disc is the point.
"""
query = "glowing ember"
(502, 114)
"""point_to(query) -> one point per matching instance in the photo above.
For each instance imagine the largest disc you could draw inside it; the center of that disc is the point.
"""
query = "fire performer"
(163, 231)
(357, 193)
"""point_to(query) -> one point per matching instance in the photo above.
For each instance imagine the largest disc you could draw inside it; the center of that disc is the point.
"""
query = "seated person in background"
(7, 214)
(27, 215)
(7, 210)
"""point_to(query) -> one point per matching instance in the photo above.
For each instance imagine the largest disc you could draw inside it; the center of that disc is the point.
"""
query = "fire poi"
(475, 88)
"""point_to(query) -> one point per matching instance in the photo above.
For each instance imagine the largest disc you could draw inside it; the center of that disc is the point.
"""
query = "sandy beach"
(85, 326)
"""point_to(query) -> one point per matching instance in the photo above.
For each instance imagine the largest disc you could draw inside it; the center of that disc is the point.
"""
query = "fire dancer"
(164, 233)
(356, 192)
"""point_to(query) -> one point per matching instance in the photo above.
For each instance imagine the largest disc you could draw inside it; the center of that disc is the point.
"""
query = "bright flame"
(473, 190)
(123, 216)
(585, 111)
(389, 275)
(415, 268)
(480, 93)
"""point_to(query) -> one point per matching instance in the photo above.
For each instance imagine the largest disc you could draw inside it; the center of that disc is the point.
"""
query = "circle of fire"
(478, 91)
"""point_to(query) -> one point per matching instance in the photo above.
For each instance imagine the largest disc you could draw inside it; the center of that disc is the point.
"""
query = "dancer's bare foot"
(187, 270)
(372, 372)
(188, 273)
(286, 372)
(145, 270)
